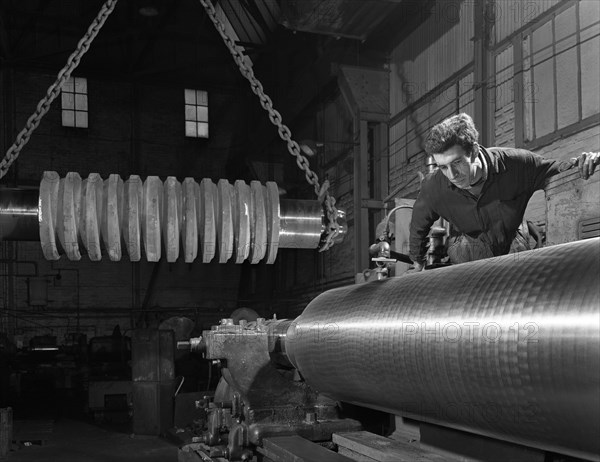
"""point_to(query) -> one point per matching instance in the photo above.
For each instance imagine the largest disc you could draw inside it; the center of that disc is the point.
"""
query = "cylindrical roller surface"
(91, 215)
(300, 224)
(242, 210)
(152, 217)
(208, 219)
(258, 223)
(189, 229)
(507, 347)
(19, 214)
(69, 215)
(133, 195)
(172, 218)
(272, 207)
(112, 216)
(225, 220)
(48, 214)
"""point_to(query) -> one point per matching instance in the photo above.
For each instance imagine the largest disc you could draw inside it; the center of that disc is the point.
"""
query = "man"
(483, 192)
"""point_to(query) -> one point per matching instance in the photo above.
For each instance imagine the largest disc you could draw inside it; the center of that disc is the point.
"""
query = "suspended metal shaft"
(238, 222)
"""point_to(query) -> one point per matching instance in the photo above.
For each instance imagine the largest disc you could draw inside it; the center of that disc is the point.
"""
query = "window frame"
(196, 113)
(74, 103)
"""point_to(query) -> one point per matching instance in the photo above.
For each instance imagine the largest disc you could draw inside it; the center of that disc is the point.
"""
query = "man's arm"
(543, 169)
(423, 217)
(546, 168)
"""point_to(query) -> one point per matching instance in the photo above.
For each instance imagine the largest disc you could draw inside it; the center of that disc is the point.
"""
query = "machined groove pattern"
(506, 347)
(111, 217)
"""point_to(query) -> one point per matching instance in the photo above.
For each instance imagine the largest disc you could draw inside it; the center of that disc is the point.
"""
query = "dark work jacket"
(513, 176)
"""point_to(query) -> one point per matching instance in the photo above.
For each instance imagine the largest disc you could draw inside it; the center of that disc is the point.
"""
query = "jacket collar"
(494, 161)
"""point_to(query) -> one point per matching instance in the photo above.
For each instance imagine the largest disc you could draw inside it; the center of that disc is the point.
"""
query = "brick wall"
(505, 125)
(103, 294)
(131, 131)
(570, 199)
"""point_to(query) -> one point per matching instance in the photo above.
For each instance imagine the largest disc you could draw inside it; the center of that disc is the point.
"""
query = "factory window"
(196, 113)
(75, 103)
(561, 71)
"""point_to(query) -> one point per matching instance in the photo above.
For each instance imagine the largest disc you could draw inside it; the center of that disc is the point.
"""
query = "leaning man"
(482, 192)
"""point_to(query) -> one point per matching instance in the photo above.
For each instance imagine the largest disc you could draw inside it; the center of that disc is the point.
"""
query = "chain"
(54, 90)
(284, 132)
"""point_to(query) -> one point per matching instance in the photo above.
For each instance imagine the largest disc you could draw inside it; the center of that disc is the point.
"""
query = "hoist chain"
(54, 90)
(283, 130)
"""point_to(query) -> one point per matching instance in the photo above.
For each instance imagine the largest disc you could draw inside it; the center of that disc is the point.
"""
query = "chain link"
(54, 90)
(283, 130)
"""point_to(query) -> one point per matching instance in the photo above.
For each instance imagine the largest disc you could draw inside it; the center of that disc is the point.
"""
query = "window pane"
(68, 118)
(68, 100)
(68, 86)
(202, 130)
(542, 43)
(544, 98)
(190, 112)
(80, 85)
(589, 12)
(196, 110)
(202, 98)
(190, 96)
(81, 102)
(190, 129)
(590, 77)
(567, 91)
(81, 119)
(565, 30)
(202, 114)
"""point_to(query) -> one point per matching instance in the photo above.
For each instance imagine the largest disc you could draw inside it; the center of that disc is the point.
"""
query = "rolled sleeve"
(541, 169)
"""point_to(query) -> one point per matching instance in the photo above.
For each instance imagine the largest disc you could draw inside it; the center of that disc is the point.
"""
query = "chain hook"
(285, 134)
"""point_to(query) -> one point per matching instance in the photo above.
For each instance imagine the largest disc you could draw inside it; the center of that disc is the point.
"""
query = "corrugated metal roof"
(252, 20)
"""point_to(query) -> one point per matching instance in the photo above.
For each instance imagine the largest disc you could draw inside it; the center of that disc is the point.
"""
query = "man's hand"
(587, 163)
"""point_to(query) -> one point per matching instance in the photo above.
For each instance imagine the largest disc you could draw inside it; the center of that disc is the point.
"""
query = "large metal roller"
(507, 347)
(232, 222)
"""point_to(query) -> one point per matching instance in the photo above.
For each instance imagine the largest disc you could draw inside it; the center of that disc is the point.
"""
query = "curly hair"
(456, 130)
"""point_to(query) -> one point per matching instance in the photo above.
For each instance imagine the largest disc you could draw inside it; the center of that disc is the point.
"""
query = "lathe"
(506, 348)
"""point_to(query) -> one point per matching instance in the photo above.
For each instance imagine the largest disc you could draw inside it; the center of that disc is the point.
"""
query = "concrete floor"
(78, 441)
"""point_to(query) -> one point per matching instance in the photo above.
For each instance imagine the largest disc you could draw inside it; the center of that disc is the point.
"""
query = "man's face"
(457, 165)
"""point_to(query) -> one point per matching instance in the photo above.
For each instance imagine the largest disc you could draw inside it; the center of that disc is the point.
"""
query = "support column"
(484, 72)
(361, 191)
